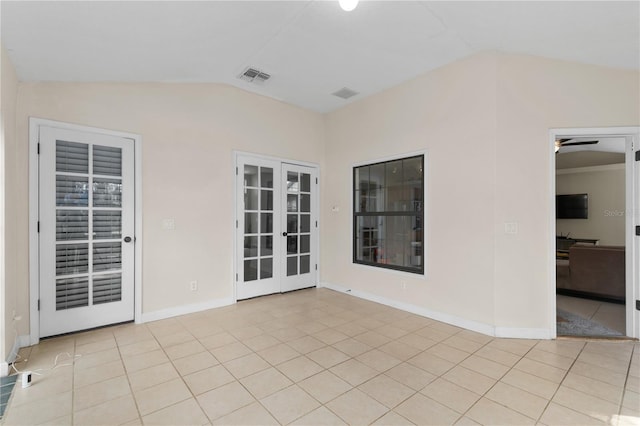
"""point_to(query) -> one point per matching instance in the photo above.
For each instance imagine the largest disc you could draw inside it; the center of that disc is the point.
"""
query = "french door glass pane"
(72, 191)
(107, 160)
(72, 259)
(107, 288)
(251, 199)
(305, 243)
(107, 256)
(107, 224)
(251, 223)
(292, 182)
(266, 245)
(251, 270)
(250, 246)
(258, 222)
(292, 223)
(266, 177)
(292, 244)
(305, 202)
(292, 266)
(305, 223)
(305, 264)
(251, 176)
(72, 225)
(107, 192)
(292, 203)
(266, 267)
(72, 157)
(266, 200)
(305, 182)
(72, 293)
(266, 223)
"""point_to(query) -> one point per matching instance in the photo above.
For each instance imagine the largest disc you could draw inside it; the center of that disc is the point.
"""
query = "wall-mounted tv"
(572, 206)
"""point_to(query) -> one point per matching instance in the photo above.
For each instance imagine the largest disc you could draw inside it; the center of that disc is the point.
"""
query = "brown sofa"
(591, 270)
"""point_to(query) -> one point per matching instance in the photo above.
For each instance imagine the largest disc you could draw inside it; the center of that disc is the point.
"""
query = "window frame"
(419, 215)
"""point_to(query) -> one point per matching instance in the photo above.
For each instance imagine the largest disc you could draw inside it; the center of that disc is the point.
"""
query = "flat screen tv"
(572, 206)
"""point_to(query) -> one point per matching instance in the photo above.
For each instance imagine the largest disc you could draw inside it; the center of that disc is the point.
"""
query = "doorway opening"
(594, 199)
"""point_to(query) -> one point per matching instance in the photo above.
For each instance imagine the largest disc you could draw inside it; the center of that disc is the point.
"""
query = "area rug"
(569, 324)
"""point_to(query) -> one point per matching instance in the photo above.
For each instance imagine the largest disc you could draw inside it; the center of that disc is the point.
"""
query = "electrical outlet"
(194, 285)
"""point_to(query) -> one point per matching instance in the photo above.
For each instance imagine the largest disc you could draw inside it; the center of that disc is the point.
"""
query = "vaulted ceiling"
(310, 49)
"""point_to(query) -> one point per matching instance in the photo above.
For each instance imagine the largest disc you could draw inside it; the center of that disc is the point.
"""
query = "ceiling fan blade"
(563, 140)
(578, 143)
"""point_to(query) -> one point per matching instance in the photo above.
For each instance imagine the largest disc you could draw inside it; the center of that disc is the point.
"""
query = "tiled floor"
(611, 315)
(318, 357)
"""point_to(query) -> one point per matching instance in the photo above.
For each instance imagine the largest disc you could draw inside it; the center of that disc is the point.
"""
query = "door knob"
(284, 234)
(127, 239)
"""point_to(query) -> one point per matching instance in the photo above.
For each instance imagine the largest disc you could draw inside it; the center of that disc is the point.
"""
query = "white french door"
(276, 227)
(86, 222)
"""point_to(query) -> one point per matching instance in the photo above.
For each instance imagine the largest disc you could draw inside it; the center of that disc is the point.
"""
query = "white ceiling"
(310, 48)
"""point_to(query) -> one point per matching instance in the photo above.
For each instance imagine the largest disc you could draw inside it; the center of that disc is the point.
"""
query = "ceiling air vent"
(253, 75)
(345, 93)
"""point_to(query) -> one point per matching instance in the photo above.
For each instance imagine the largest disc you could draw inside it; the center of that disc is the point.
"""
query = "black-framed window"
(388, 214)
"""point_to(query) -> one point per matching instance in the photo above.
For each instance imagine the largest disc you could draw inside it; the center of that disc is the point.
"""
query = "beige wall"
(534, 95)
(485, 122)
(188, 134)
(606, 188)
(449, 112)
(11, 241)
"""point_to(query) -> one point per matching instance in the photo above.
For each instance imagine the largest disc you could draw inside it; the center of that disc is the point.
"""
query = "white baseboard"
(488, 329)
(524, 333)
(186, 309)
(20, 342)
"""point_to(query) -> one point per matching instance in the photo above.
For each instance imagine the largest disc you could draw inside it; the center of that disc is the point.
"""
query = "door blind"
(89, 208)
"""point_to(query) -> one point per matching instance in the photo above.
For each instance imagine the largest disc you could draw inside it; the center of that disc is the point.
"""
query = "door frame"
(34, 208)
(632, 219)
(235, 155)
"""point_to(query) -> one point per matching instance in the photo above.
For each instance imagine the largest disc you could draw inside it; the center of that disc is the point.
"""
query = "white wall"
(606, 217)
(188, 134)
(9, 238)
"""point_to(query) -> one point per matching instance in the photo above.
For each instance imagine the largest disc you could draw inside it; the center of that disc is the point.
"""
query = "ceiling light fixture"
(348, 5)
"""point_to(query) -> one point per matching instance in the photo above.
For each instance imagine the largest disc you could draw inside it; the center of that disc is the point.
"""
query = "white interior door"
(86, 222)
(298, 259)
(276, 227)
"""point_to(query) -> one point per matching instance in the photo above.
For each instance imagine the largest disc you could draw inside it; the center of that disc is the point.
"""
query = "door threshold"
(599, 338)
(71, 333)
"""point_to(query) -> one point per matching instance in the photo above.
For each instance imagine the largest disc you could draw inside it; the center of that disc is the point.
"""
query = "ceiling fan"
(568, 142)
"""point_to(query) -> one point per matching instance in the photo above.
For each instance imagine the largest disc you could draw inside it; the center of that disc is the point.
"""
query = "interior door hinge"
(316, 266)
(38, 226)
(637, 230)
(236, 277)
(316, 181)
(316, 223)
(638, 155)
(638, 305)
(39, 148)
(38, 304)
(236, 171)
(236, 224)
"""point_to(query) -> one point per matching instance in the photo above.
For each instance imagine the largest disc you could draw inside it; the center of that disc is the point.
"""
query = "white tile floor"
(611, 315)
(318, 357)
